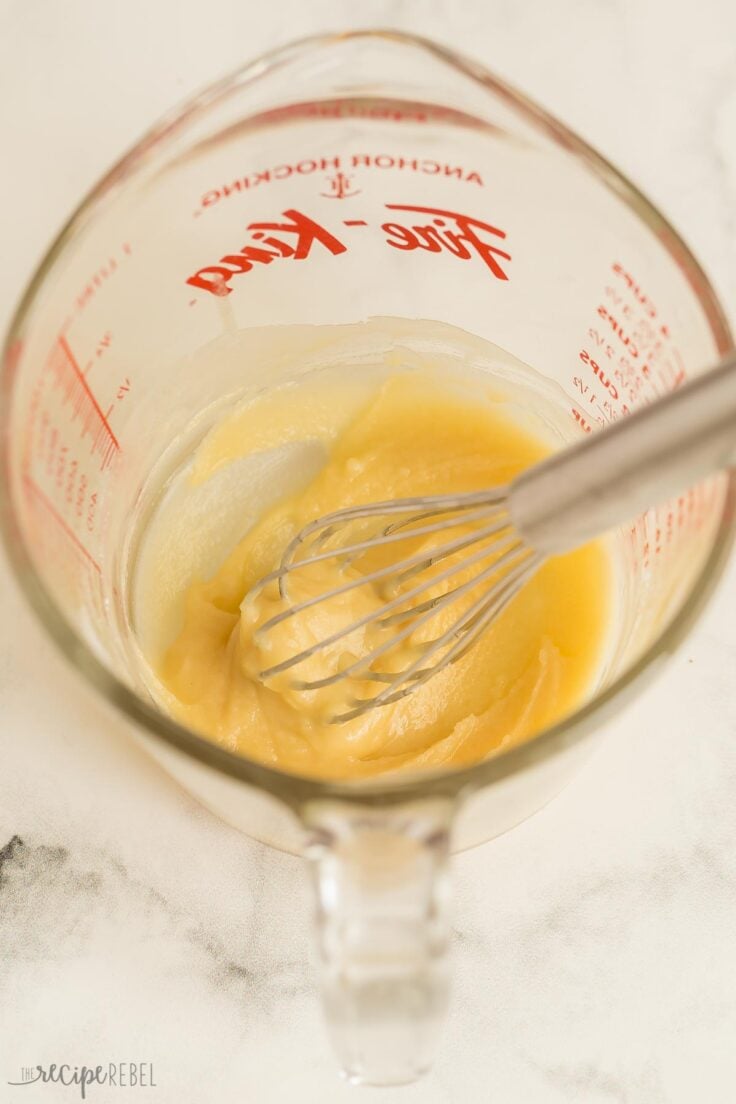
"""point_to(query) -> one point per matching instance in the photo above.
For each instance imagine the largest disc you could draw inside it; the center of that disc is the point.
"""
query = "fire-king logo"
(295, 236)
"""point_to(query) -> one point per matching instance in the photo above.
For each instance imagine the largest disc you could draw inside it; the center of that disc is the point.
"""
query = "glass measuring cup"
(338, 179)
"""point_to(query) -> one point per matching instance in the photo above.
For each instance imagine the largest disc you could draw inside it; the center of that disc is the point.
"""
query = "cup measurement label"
(628, 358)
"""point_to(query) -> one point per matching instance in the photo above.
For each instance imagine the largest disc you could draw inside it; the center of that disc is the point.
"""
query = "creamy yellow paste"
(414, 434)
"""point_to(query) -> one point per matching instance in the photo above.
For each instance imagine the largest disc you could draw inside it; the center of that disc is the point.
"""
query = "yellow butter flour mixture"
(413, 433)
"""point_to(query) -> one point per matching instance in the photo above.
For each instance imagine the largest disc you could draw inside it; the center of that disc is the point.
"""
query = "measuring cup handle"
(381, 882)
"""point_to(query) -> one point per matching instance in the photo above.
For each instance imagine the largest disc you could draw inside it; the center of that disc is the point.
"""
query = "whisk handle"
(638, 462)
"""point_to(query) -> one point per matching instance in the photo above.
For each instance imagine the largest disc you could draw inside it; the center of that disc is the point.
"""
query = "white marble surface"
(596, 944)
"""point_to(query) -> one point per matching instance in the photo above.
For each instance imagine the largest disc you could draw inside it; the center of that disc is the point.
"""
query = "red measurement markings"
(76, 392)
(628, 359)
(38, 498)
(12, 358)
(96, 282)
(582, 422)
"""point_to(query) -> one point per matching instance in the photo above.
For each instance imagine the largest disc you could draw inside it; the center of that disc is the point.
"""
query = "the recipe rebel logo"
(116, 1075)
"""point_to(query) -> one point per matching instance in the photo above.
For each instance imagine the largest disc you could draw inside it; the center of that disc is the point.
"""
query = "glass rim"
(296, 789)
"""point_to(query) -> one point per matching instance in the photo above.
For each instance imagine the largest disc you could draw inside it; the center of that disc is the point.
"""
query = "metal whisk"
(506, 534)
